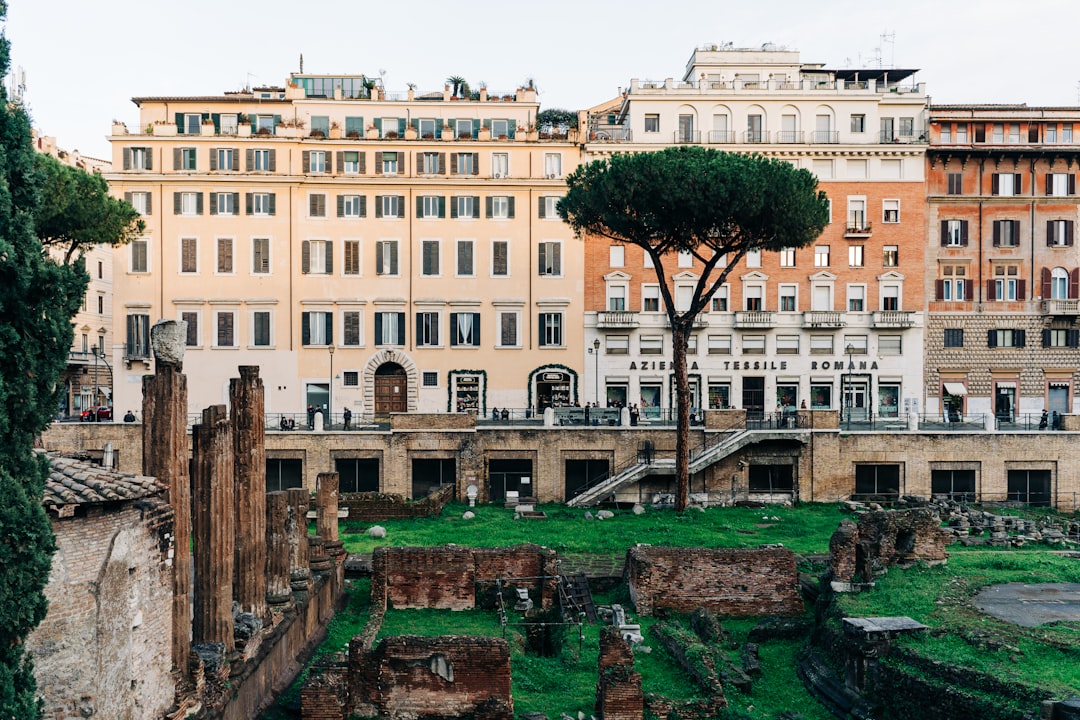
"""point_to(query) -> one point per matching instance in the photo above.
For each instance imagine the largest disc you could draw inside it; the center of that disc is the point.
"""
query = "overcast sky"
(84, 61)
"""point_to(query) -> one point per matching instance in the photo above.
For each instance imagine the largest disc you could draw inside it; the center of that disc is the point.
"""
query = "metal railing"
(684, 137)
(825, 137)
(789, 136)
(510, 416)
(721, 137)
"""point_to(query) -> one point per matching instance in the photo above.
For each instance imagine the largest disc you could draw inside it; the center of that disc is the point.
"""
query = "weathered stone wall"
(724, 580)
(432, 677)
(447, 577)
(373, 506)
(618, 686)
(110, 609)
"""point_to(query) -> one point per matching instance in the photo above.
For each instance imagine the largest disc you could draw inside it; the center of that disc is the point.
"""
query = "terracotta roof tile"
(76, 482)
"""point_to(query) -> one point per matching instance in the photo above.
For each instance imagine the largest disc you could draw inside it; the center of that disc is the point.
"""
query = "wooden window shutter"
(453, 163)
(969, 289)
(401, 328)
(176, 158)
(442, 163)
(177, 202)
(249, 203)
(442, 206)
(379, 270)
(189, 258)
(273, 203)
(540, 207)
(329, 156)
(990, 290)
(557, 258)
(939, 289)
(307, 161)
(944, 232)
(476, 206)
(1020, 336)
(273, 160)
(964, 232)
(363, 206)
(378, 163)
(475, 159)
(453, 207)
(340, 161)
(329, 262)
(329, 327)
(213, 159)
(341, 206)
(1072, 337)
(149, 159)
(305, 328)
(500, 258)
(127, 198)
(1018, 184)
(419, 163)
(235, 202)
(1049, 233)
(991, 338)
(1072, 184)
(394, 263)
(1069, 232)
(476, 329)
(401, 206)
(313, 205)
(127, 158)
(1021, 289)
(235, 164)
(213, 203)
(487, 207)
(305, 257)
(378, 206)
(1046, 283)
(512, 128)
(510, 206)
(249, 159)
(225, 255)
(453, 330)
(419, 206)
(994, 183)
(363, 162)
(419, 327)
(1046, 338)
(225, 329)
(541, 258)
(198, 203)
(378, 328)
(1074, 284)
(997, 233)
(1049, 183)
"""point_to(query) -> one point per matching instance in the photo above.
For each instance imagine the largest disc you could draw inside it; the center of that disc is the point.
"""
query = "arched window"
(1059, 284)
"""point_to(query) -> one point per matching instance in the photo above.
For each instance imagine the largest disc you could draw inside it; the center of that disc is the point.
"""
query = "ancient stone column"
(278, 591)
(214, 526)
(249, 458)
(318, 561)
(326, 508)
(299, 570)
(165, 457)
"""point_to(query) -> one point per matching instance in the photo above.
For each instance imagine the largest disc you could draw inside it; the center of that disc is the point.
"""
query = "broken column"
(296, 527)
(214, 528)
(326, 519)
(165, 457)
(249, 458)
(278, 591)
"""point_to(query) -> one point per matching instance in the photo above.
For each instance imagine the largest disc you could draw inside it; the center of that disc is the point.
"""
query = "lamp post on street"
(849, 399)
(330, 390)
(596, 371)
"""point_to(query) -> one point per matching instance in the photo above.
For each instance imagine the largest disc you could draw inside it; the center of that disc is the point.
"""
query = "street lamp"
(330, 391)
(848, 398)
(596, 371)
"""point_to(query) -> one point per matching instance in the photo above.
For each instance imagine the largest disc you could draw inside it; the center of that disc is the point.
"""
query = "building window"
(686, 259)
(550, 258)
(500, 207)
(821, 256)
(427, 329)
(224, 256)
(315, 161)
(855, 256)
(787, 298)
(188, 203)
(317, 205)
(390, 206)
(890, 345)
(351, 206)
(552, 165)
(316, 328)
(877, 479)
(547, 207)
(856, 215)
(753, 259)
(787, 257)
(753, 298)
(954, 233)
(138, 158)
(650, 298)
(262, 160)
(719, 344)
(224, 159)
(430, 207)
(551, 327)
(720, 299)
(856, 298)
(617, 256)
(1007, 284)
(858, 123)
(890, 256)
(226, 329)
(1059, 283)
(465, 329)
(651, 345)
(890, 211)
(261, 204)
(185, 159)
(192, 338)
(351, 332)
(1006, 233)
(464, 207)
(954, 337)
(616, 298)
(857, 344)
(1060, 184)
(500, 128)
(141, 201)
(101, 305)
(508, 329)
(386, 257)
(317, 257)
(389, 163)
(787, 344)
(1007, 337)
(389, 328)
(260, 328)
(907, 127)
(464, 258)
(350, 162)
(890, 297)
(1059, 233)
(500, 258)
(260, 256)
(955, 184)
(189, 255)
(1060, 337)
(500, 165)
(821, 344)
(223, 203)
(430, 257)
(652, 122)
(191, 124)
(350, 378)
(617, 344)
(954, 287)
(1005, 184)
(753, 344)
(429, 378)
(139, 250)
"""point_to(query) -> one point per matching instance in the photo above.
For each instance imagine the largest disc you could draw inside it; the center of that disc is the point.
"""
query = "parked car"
(102, 412)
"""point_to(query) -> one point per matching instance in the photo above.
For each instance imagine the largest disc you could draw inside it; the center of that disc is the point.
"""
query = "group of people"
(497, 414)
(289, 423)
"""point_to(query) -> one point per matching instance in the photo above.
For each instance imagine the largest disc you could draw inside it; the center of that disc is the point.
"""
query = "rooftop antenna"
(301, 63)
(247, 87)
(887, 37)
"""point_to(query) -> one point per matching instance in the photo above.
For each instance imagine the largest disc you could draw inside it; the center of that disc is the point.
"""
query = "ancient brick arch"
(390, 356)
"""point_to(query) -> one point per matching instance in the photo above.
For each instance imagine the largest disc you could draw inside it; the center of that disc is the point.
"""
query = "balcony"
(616, 320)
(684, 137)
(823, 319)
(825, 137)
(751, 319)
(721, 137)
(788, 137)
(755, 137)
(894, 319)
(858, 231)
(1061, 308)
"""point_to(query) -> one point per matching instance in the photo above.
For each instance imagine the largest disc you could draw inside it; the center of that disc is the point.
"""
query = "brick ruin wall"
(374, 506)
(886, 538)
(447, 577)
(618, 685)
(730, 581)
(431, 677)
(110, 609)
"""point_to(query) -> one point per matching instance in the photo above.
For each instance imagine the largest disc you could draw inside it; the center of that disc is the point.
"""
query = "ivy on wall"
(482, 400)
(555, 366)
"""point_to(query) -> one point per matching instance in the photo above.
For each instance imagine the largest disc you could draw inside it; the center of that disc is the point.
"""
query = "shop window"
(877, 480)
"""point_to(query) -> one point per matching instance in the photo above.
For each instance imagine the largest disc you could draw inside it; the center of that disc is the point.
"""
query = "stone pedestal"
(214, 528)
(249, 456)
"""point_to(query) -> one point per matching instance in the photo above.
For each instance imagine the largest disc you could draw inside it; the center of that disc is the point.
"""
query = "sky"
(84, 61)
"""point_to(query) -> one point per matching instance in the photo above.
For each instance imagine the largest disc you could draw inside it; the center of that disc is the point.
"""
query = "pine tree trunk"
(680, 332)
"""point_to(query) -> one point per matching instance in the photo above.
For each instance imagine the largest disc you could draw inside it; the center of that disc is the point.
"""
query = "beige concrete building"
(88, 380)
(837, 325)
(367, 251)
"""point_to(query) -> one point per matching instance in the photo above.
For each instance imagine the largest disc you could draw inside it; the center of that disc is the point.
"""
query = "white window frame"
(260, 160)
(617, 290)
(235, 329)
(787, 257)
(500, 207)
(855, 291)
(350, 167)
(553, 165)
(500, 165)
(555, 272)
(260, 204)
(269, 257)
(144, 245)
(651, 291)
(890, 290)
(787, 290)
(225, 203)
(617, 256)
(856, 256)
(429, 207)
(317, 329)
(890, 210)
(189, 203)
(491, 258)
(457, 257)
(317, 162)
(350, 206)
(821, 256)
(318, 251)
(517, 329)
(391, 206)
(180, 256)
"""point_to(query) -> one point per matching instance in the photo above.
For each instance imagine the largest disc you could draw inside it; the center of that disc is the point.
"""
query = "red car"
(104, 412)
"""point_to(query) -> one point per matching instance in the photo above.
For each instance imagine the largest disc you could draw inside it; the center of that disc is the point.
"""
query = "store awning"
(1006, 384)
(1060, 383)
(954, 388)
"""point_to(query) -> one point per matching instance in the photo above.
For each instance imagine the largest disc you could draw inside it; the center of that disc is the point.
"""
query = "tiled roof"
(76, 482)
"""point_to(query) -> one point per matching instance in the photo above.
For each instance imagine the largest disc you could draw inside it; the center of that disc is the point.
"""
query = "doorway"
(1005, 401)
(753, 397)
(552, 390)
(509, 475)
(391, 389)
(432, 473)
(1058, 398)
(856, 390)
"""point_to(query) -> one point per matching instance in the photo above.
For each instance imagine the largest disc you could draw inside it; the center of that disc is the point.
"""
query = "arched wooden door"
(391, 389)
